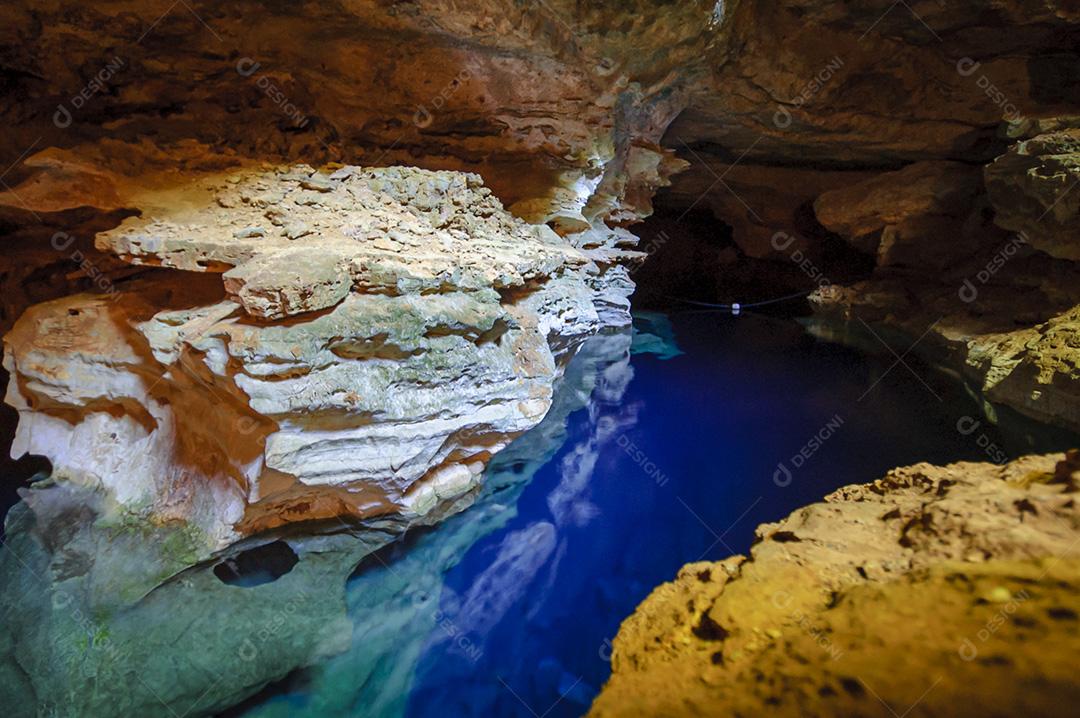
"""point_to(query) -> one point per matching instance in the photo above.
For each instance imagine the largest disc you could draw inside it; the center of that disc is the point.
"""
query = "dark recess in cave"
(256, 566)
(693, 258)
(16, 472)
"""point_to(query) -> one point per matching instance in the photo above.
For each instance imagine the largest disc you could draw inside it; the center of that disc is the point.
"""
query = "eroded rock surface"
(367, 366)
(939, 589)
(1032, 187)
(293, 240)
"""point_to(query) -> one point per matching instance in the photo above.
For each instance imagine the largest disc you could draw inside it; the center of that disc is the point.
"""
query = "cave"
(258, 565)
(423, 358)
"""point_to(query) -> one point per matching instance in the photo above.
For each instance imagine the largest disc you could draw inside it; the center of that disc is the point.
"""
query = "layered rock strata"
(933, 590)
(561, 107)
(315, 345)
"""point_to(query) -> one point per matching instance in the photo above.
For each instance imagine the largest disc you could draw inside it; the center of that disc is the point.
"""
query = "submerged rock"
(76, 642)
(946, 589)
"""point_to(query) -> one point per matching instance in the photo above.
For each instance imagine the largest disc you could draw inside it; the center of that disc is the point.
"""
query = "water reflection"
(410, 625)
(80, 638)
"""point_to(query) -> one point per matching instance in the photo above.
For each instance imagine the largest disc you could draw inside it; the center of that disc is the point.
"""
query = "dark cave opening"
(256, 566)
(695, 259)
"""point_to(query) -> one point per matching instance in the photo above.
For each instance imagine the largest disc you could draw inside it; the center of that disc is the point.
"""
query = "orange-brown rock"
(935, 590)
(547, 101)
(927, 215)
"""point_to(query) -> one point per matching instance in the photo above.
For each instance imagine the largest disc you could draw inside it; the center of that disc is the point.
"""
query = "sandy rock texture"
(313, 345)
(934, 590)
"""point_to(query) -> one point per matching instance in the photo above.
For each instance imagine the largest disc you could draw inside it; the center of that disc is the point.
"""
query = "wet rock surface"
(936, 589)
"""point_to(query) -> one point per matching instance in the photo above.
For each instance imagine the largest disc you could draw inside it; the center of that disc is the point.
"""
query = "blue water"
(670, 459)
(663, 446)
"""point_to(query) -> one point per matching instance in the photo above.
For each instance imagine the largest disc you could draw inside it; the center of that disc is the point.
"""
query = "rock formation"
(999, 307)
(1030, 188)
(932, 590)
(318, 345)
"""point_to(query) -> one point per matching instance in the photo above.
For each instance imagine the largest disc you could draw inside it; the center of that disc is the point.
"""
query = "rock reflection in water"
(407, 621)
(78, 638)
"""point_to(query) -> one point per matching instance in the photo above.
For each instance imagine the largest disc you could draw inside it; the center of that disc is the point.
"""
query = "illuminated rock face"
(292, 240)
(928, 562)
(559, 106)
(368, 366)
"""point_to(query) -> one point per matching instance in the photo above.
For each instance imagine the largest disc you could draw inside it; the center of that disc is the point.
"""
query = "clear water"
(650, 458)
(672, 459)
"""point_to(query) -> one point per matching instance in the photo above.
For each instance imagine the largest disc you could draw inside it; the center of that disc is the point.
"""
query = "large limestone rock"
(369, 365)
(293, 240)
(938, 590)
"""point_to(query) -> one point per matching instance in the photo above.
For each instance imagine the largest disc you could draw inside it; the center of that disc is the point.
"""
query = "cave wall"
(919, 134)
